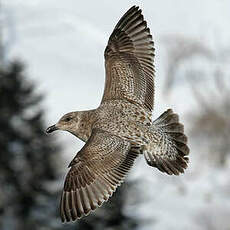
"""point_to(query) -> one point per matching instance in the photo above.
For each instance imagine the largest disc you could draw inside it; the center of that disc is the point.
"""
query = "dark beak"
(51, 129)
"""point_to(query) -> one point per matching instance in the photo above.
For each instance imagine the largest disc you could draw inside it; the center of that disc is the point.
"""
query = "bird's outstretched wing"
(95, 173)
(129, 61)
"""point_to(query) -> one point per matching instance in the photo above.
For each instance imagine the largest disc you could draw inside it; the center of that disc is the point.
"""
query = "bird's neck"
(84, 130)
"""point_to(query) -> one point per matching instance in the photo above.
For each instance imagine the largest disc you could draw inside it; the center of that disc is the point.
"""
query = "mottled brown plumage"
(121, 128)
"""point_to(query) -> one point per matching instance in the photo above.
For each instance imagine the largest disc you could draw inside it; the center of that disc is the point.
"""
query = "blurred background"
(51, 62)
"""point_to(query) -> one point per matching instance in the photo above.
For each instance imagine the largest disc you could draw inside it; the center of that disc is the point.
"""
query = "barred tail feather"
(170, 153)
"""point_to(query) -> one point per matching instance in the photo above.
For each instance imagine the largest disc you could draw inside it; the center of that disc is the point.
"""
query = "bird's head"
(78, 123)
(69, 122)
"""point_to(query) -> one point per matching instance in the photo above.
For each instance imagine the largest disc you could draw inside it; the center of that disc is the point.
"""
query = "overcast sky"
(62, 43)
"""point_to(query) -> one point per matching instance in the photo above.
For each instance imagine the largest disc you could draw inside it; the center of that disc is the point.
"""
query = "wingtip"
(133, 8)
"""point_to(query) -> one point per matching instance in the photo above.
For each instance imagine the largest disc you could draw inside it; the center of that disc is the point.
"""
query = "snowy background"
(62, 43)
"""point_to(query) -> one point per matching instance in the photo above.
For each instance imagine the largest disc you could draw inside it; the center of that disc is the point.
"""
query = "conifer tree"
(28, 156)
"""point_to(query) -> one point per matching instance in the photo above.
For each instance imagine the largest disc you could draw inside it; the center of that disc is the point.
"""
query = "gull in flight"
(122, 127)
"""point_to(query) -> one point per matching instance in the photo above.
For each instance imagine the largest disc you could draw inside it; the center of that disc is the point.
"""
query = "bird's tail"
(168, 148)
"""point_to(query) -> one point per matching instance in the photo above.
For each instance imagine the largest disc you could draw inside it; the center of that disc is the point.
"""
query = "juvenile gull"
(121, 128)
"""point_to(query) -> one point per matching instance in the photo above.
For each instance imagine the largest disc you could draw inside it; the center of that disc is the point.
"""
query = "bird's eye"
(67, 119)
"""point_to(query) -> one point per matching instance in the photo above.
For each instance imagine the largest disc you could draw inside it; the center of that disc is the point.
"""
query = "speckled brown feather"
(129, 61)
(95, 173)
(167, 150)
